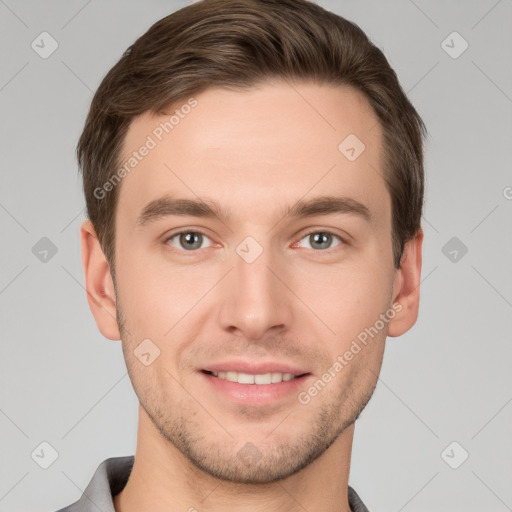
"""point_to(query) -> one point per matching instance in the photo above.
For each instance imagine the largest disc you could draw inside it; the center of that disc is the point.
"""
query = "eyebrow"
(207, 208)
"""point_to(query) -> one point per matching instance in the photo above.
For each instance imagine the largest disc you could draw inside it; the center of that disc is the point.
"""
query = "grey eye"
(321, 239)
(188, 240)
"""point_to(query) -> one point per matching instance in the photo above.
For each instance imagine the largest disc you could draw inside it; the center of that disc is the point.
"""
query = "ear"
(98, 283)
(406, 287)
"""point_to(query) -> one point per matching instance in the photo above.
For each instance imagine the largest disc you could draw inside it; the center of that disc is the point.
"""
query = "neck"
(163, 479)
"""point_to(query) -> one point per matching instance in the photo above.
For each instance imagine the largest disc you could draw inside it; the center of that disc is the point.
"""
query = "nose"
(255, 298)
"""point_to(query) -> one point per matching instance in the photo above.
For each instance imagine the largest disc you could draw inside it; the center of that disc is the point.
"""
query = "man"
(254, 178)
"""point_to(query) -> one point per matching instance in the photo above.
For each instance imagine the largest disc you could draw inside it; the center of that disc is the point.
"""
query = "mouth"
(255, 379)
(254, 389)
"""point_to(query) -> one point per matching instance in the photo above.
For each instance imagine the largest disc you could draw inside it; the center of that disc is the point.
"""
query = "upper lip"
(255, 368)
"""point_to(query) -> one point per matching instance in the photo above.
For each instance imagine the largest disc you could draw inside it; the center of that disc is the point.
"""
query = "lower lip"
(255, 394)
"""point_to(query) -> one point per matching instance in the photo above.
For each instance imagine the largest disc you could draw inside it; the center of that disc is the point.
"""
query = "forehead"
(257, 151)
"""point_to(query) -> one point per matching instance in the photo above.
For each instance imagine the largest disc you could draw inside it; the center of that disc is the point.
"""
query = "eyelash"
(328, 251)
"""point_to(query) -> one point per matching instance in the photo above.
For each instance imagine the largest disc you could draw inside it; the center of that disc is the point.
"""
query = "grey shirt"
(112, 475)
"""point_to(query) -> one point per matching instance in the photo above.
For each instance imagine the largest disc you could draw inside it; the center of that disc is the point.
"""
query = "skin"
(254, 152)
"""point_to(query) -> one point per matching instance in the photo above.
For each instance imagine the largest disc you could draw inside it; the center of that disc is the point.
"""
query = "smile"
(248, 378)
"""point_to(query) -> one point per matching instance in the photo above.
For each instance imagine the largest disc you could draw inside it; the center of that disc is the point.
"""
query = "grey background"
(448, 379)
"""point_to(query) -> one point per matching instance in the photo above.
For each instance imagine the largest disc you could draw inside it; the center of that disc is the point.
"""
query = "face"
(260, 287)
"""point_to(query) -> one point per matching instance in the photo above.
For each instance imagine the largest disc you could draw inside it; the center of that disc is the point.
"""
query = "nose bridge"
(254, 298)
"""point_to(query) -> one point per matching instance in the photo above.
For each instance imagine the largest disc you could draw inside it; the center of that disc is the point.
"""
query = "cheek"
(347, 298)
(156, 294)
(346, 295)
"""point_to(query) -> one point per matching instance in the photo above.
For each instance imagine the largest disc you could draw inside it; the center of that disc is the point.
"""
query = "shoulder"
(108, 480)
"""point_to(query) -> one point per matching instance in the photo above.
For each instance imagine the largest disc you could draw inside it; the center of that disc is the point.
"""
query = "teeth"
(276, 377)
(263, 379)
(247, 378)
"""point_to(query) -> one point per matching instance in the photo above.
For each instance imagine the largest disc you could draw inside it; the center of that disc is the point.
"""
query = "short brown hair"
(240, 43)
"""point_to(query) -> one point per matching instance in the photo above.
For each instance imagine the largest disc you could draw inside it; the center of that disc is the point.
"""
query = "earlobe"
(406, 288)
(98, 283)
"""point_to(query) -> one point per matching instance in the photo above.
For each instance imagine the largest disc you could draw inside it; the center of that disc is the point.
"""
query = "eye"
(188, 240)
(192, 240)
(322, 240)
